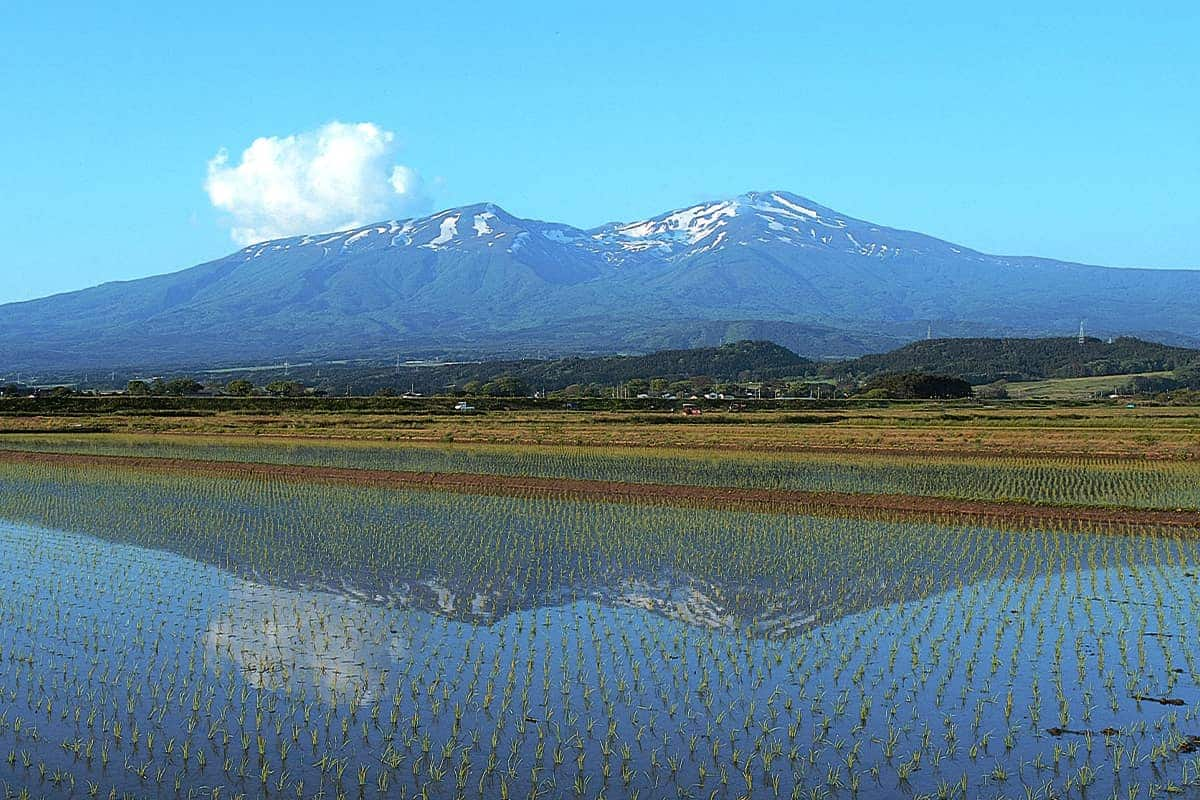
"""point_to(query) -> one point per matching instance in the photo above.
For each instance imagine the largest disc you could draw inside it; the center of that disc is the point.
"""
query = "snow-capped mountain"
(477, 280)
(756, 217)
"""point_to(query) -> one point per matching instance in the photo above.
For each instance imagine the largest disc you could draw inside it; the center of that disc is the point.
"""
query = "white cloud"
(336, 177)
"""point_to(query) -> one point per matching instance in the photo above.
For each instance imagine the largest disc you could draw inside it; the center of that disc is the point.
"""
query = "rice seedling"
(168, 635)
(1050, 481)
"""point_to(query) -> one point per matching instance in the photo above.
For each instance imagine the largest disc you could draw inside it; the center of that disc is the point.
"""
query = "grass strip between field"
(842, 504)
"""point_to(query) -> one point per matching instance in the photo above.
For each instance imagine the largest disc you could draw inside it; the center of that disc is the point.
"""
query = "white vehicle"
(463, 407)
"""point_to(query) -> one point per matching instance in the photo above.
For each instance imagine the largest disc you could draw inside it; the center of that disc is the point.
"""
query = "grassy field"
(1092, 430)
(1075, 388)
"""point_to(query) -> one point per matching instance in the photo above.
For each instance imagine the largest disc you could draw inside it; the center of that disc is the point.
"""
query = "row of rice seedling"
(1061, 481)
(163, 635)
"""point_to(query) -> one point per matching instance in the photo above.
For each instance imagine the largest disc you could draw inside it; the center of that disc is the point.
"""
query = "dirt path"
(839, 503)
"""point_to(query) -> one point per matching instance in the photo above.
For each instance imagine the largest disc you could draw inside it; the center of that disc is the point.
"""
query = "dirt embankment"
(831, 503)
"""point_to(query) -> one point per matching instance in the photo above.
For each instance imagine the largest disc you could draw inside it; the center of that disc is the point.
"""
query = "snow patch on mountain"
(401, 232)
(691, 225)
(799, 209)
(481, 224)
(449, 229)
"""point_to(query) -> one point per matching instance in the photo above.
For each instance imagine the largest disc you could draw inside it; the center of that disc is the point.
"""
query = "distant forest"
(973, 361)
(933, 368)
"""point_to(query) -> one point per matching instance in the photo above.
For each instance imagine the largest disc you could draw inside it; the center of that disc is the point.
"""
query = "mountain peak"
(787, 203)
(758, 217)
(448, 227)
(472, 209)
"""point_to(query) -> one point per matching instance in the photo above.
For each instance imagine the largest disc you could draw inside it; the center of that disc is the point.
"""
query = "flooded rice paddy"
(174, 636)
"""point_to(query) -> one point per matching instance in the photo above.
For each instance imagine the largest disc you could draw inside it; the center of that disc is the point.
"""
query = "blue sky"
(1071, 132)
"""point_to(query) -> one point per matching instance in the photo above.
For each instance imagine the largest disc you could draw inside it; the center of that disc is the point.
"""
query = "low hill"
(736, 361)
(980, 361)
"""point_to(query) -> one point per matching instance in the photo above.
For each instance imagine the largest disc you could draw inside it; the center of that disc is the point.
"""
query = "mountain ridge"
(478, 280)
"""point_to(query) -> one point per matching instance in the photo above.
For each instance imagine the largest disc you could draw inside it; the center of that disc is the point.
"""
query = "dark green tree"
(636, 386)
(916, 386)
(285, 388)
(178, 387)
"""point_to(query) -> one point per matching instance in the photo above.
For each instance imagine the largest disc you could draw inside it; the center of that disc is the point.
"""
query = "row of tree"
(182, 387)
(906, 386)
